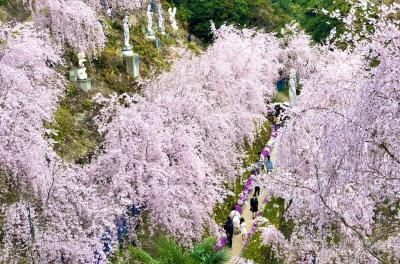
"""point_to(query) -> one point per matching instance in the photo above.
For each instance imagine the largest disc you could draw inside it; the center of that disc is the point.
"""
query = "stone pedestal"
(85, 85)
(157, 43)
(73, 75)
(131, 62)
(150, 36)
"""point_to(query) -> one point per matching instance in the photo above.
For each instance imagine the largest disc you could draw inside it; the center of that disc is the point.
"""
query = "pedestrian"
(257, 187)
(255, 171)
(254, 206)
(268, 164)
(243, 230)
(236, 224)
(110, 12)
(305, 258)
(228, 227)
(312, 258)
(261, 159)
(234, 212)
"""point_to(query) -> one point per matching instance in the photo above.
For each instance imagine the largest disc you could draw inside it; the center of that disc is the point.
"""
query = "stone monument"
(150, 32)
(161, 27)
(104, 4)
(292, 88)
(84, 82)
(127, 46)
(131, 59)
(172, 20)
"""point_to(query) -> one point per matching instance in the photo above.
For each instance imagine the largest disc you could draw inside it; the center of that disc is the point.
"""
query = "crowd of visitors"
(235, 223)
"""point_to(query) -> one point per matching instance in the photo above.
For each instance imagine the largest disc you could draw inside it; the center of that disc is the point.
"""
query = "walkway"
(238, 245)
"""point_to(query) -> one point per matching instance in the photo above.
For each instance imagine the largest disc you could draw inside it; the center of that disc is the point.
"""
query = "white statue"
(172, 20)
(161, 27)
(292, 88)
(126, 33)
(149, 21)
(82, 75)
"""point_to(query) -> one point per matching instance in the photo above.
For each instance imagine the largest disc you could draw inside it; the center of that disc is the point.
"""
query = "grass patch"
(75, 133)
(280, 97)
(274, 211)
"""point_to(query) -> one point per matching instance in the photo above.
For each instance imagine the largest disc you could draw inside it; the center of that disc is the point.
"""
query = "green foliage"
(14, 10)
(133, 255)
(274, 211)
(203, 253)
(314, 22)
(255, 13)
(251, 149)
(168, 251)
(270, 15)
(164, 250)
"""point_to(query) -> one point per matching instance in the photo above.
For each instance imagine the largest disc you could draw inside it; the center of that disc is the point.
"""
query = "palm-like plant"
(204, 254)
(133, 255)
(167, 251)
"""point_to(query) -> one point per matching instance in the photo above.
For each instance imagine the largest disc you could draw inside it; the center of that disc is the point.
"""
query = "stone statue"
(161, 27)
(110, 12)
(172, 20)
(82, 75)
(104, 4)
(126, 33)
(292, 88)
(149, 21)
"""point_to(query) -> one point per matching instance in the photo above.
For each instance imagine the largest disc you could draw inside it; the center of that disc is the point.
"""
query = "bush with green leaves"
(166, 251)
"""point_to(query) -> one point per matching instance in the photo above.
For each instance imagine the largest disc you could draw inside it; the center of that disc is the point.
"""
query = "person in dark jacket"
(254, 206)
(228, 227)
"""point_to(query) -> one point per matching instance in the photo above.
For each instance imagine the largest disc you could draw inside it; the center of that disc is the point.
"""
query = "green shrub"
(4, 2)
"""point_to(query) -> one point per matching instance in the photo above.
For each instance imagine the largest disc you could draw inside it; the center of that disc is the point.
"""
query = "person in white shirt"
(236, 223)
(235, 216)
(260, 162)
(233, 213)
